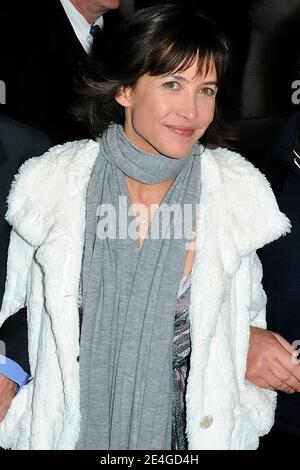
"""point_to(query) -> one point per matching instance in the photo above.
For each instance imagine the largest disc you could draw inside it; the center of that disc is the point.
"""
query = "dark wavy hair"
(155, 41)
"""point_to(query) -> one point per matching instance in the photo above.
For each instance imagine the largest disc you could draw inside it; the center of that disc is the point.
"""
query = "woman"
(147, 322)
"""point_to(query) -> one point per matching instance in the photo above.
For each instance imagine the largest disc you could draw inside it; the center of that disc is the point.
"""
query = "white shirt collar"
(80, 25)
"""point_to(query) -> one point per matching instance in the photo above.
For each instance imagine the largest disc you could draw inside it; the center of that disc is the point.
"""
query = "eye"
(171, 85)
(208, 91)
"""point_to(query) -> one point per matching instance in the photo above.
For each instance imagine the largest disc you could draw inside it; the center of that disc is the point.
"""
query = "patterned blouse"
(181, 362)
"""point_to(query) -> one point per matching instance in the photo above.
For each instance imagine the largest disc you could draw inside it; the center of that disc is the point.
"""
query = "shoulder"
(7, 124)
(60, 161)
(43, 183)
(248, 203)
(234, 170)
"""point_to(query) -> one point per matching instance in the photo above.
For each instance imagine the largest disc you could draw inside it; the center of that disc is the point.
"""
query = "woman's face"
(168, 114)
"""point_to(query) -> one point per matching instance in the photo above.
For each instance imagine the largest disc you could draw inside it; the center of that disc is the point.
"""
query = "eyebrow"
(183, 79)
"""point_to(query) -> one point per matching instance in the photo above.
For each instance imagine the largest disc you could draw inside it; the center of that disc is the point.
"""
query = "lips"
(181, 130)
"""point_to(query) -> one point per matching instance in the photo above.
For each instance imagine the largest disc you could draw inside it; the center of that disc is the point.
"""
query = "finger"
(287, 346)
(276, 383)
(287, 361)
(285, 389)
(266, 385)
(260, 382)
(267, 380)
(285, 376)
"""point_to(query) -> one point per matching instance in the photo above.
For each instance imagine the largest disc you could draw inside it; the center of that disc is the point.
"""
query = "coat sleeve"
(13, 317)
(258, 303)
(20, 258)
(256, 415)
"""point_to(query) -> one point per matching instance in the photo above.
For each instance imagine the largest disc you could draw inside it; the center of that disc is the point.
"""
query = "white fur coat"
(238, 214)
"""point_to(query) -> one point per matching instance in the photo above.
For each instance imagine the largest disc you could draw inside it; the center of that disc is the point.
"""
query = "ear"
(123, 96)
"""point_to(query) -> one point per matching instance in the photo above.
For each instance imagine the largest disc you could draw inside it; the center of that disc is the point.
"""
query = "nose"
(188, 107)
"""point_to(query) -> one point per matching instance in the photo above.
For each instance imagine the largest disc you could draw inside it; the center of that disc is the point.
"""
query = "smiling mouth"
(180, 130)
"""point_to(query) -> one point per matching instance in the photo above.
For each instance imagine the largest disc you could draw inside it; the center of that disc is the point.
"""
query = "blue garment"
(13, 371)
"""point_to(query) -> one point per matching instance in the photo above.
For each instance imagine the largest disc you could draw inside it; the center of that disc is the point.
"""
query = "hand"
(8, 390)
(269, 362)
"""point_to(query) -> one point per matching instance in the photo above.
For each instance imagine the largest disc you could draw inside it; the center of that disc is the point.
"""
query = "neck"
(147, 194)
(90, 14)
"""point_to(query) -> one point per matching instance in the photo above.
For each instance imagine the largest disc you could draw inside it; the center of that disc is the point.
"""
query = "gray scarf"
(129, 301)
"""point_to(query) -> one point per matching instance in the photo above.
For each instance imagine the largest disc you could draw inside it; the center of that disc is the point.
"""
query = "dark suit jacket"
(17, 143)
(281, 259)
(269, 144)
(39, 59)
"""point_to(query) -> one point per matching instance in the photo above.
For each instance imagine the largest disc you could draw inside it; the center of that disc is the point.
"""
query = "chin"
(169, 149)
(177, 153)
(177, 149)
